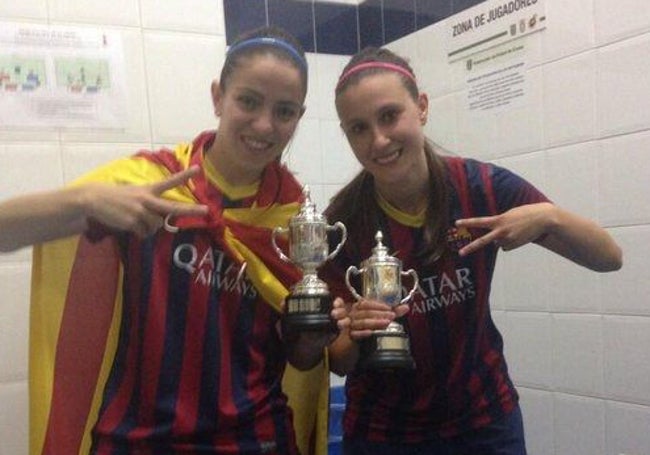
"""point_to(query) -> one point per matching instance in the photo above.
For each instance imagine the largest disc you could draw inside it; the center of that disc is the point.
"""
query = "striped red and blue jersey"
(196, 363)
(461, 379)
(199, 363)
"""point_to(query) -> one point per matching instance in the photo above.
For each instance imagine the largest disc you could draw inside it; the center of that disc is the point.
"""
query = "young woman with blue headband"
(166, 304)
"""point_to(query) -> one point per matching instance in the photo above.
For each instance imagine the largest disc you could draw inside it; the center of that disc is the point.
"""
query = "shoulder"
(146, 166)
(475, 172)
(467, 171)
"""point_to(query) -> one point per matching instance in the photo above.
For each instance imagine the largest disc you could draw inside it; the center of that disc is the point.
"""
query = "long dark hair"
(356, 203)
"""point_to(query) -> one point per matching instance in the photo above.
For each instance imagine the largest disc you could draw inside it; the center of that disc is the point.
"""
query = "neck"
(411, 199)
(231, 171)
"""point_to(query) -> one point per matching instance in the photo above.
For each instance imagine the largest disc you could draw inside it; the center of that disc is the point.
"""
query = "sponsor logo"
(458, 238)
(211, 267)
(440, 291)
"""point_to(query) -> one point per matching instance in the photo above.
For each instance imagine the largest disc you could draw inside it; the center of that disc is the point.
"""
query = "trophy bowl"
(309, 303)
(382, 281)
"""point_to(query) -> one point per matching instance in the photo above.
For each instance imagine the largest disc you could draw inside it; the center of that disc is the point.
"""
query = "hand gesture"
(139, 209)
(509, 230)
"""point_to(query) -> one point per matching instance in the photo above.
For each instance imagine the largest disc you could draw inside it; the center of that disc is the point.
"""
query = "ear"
(217, 97)
(423, 106)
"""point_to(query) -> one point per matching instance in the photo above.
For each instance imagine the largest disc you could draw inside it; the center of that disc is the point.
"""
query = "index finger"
(484, 222)
(177, 179)
(402, 309)
(370, 305)
(166, 207)
(478, 243)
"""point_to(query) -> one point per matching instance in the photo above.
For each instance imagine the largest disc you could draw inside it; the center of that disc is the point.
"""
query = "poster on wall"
(487, 43)
(56, 76)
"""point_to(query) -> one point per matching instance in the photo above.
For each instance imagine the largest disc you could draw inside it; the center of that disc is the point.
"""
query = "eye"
(287, 112)
(355, 129)
(248, 102)
(389, 116)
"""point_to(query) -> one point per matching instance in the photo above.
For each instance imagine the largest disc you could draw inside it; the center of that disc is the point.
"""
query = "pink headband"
(367, 65)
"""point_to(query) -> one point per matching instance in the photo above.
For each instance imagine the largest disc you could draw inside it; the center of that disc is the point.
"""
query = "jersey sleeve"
(511, 190)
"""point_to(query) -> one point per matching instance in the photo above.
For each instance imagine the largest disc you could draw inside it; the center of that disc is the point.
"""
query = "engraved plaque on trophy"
(309, 303)
(382, 281)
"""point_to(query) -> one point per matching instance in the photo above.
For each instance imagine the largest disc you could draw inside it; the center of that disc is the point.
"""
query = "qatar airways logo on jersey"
(211, 267)
(440, 291)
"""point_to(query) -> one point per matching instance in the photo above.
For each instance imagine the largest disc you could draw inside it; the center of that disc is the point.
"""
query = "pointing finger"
(484, 222)
(177, 179)
(477, 244)
(166, 207)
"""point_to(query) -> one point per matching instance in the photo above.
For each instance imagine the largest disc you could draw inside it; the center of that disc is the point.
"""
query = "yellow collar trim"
(233, 192)
(402, 217)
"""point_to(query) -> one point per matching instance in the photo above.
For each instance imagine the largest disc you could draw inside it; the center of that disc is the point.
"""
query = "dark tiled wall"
(328, 27)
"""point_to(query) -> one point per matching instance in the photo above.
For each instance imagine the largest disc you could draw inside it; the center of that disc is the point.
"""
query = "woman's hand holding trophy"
(372, 318)
(311, 319)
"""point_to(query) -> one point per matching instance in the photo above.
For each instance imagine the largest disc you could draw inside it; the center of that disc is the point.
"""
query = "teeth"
(257, 144)
(388, 158)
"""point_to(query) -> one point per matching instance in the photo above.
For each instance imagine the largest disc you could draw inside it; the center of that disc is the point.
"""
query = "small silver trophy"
(382, 281)
(309, 303)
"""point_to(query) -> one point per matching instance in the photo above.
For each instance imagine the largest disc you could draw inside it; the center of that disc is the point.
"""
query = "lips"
(388, 158)
(257, 145)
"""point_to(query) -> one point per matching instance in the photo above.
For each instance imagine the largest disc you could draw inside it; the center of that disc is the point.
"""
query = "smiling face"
(383, 124)
(259, 110)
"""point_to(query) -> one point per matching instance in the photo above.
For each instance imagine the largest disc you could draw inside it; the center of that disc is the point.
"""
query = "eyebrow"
(290, 103)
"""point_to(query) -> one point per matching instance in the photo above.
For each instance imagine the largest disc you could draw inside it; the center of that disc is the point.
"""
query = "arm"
(567, 234)
(344, 351)
(305, 349)
(140, 209)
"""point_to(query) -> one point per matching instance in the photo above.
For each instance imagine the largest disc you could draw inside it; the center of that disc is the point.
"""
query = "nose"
(263, 122)
(379, 139)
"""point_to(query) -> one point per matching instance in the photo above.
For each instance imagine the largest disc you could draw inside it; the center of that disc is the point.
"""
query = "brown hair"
(356, 204)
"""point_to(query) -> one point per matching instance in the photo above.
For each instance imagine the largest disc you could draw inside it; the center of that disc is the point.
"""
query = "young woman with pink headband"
(446, 217)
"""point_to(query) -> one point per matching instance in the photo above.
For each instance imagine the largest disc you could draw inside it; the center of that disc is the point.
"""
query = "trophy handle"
(414, 275)
(344, 237)
(356, 271)
(275, 245)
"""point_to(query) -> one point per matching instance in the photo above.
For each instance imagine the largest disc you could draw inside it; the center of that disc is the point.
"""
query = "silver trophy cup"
(382, 280)
(309, 303)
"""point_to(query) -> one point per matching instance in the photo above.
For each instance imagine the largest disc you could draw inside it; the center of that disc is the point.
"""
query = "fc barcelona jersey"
(461, 378)
(167, 344)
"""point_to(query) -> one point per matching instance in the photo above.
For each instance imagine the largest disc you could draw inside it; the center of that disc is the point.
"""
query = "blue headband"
(265, 40)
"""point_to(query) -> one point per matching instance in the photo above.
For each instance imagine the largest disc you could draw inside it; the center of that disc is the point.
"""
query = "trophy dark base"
(308, 313)
(387, 351)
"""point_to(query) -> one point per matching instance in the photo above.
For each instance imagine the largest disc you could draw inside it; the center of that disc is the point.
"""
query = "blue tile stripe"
(329, 27)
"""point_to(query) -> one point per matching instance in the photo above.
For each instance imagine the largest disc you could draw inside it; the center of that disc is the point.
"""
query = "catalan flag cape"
(76, 303)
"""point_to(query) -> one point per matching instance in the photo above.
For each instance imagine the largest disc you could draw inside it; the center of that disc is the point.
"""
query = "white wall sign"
(496, 78)
(492, 23)
(56, 76)
(487, 41)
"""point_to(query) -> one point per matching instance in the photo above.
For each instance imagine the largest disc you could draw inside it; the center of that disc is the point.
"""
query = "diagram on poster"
(61, 77)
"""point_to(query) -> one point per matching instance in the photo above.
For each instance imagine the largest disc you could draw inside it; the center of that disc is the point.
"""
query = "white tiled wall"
(577, 342)
(171, 56)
